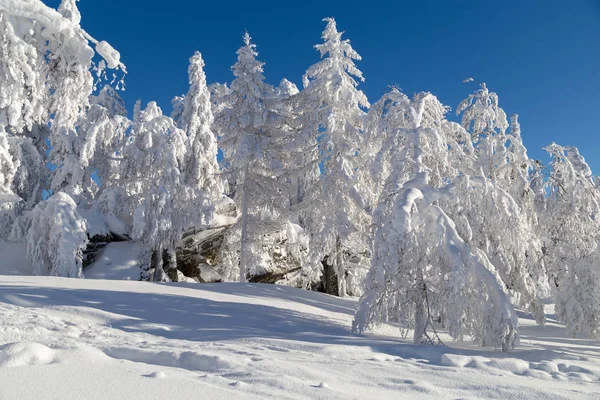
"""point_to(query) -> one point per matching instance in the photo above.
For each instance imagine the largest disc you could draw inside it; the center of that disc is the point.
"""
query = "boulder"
(198, 252)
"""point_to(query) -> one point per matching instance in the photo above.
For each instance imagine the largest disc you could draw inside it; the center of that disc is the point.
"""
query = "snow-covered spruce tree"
(331, 120)
(422, 270)
(571, 234)
(246, 124)
(161, 203)
(57, 238)
(498, 203)
(194, 117)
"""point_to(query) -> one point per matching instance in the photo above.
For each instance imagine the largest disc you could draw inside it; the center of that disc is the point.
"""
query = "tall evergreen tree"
(332, 117)
(248, 135)
(201, 167)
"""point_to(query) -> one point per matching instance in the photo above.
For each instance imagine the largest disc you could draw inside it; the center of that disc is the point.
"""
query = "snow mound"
(189, 360)
(118, 260)
(542, 370)
(25, 353)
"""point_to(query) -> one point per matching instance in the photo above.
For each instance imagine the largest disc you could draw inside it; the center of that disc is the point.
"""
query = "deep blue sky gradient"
(541, 57)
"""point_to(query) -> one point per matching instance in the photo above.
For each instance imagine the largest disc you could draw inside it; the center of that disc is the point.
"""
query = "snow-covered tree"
(421, 269)
(247, 127)
(57, 237)
(482, 116)
(9, 201)
(498, 203)
(195, 118)
(331, 118)
(162, 205)
(102, 138)
(46, 68)
(571, 234)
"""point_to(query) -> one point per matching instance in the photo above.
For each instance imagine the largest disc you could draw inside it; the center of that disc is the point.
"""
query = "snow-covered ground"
(98, 339)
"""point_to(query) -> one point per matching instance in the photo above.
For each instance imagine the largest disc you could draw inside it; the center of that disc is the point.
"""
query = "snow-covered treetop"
(482, 114)
(248, 69)
(201, 169)
(336, 68)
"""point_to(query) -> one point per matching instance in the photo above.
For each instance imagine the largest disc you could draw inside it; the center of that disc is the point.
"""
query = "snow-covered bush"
(56, 238)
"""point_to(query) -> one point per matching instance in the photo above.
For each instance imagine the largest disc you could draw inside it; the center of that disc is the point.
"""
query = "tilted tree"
(422, 270)
(570, 237)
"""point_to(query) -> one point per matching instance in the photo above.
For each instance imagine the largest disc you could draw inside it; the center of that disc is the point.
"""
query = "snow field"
(120, 339)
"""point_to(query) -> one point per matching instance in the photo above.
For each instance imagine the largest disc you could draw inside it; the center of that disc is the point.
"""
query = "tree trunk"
(341, 273)
(244, 238)
(157, 265)
(421, 316)
(170, 264)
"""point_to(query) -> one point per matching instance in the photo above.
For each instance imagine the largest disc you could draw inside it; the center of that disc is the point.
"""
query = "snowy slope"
(95, 339)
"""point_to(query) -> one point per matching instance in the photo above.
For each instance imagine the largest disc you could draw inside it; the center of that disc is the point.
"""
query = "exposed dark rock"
(170, 265)
(97, 243)
(198, 252)
(271, 277)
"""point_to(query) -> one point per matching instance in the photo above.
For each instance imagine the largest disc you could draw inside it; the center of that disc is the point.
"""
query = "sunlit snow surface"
(99, 339)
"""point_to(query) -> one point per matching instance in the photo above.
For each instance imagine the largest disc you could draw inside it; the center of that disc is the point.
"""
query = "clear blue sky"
(542, 57)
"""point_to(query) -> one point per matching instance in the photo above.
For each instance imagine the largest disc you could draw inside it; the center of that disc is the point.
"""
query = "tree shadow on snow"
(203, 320)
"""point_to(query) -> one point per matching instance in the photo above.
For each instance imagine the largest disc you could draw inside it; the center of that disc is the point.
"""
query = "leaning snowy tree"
(571, 233)
(422, 270)
(331, 119)
(47, 73)
(498, 202)
(48, 63)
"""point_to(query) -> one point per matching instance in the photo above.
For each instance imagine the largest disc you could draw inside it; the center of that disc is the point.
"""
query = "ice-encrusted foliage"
(56, 238)
(498, 202)
(47, 73)
(422, 271)
(9, 201)
(102, 139)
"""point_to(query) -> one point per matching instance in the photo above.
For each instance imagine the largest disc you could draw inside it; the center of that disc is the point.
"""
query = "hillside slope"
(97, 339)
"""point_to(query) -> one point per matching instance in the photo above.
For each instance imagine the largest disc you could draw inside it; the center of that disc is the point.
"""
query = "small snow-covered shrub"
(56, 238)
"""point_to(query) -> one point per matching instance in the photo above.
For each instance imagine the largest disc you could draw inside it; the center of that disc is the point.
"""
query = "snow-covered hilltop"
(443, 229)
